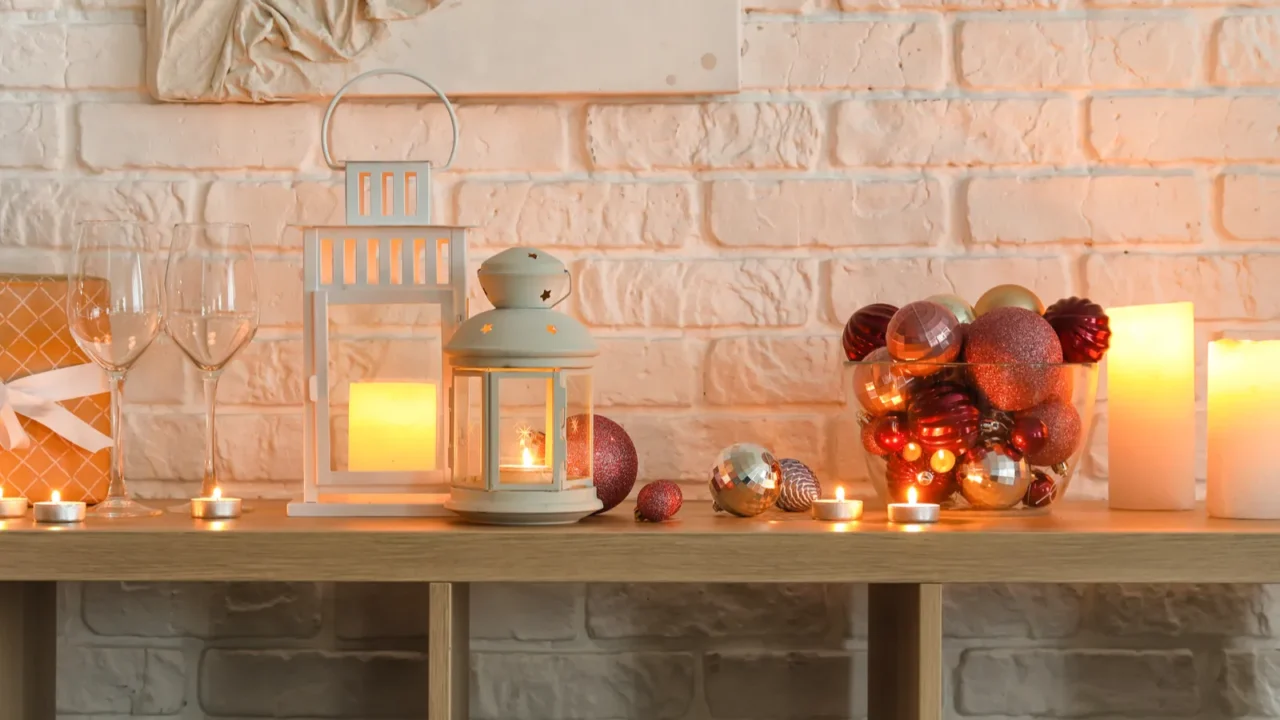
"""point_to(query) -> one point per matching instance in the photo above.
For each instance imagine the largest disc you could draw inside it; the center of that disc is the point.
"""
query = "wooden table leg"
(449, 652)
(904, 652)
(28, 650)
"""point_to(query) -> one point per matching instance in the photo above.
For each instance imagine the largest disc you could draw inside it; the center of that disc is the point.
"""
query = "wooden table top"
(1078, 542)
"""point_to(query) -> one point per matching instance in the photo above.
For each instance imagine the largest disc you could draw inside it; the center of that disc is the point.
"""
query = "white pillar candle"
(1151, 407)
(1244, 422)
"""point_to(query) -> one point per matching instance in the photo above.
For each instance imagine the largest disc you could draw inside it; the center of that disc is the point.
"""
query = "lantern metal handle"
(567, 292)
(333, 105)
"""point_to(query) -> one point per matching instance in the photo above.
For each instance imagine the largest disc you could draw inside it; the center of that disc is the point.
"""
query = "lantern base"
(373, 505)
(524, 507)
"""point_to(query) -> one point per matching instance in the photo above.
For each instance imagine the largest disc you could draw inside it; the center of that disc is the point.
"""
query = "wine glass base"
(122, 508)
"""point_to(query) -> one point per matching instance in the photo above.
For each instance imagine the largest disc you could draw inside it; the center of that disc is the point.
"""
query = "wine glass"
(113, 306)
(211, 297)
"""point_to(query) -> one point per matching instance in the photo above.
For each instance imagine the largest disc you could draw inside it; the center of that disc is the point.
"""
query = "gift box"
(54, 406)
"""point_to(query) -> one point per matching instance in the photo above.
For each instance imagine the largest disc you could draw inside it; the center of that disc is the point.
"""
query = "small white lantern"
(521, 406)
(392, 459)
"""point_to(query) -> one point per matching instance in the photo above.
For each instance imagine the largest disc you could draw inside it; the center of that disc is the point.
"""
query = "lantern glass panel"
(579, 427)
(526, 448)
(468, 429)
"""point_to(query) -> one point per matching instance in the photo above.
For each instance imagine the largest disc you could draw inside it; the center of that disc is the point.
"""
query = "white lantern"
(392, 456)
(521, 404)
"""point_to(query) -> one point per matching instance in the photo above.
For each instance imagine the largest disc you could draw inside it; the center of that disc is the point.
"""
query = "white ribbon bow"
(37, 397)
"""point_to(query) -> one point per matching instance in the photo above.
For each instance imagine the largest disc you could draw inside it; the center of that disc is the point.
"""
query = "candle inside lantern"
(55, 510)
(837, 510)
(1151, 407)
(913, 511)
(12, 507)
(527, 472)
(215, 507)
(1244, 392)
(392, 427)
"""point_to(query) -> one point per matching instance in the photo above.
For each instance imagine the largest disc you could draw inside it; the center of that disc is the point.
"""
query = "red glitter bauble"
(1029, 434)
(1013, 350)
(865, 330)
(1082, 327)
(869, 440)
(614, 461)
(891, 432)
(931, 486)
(658, 501)
(1041, 491)
(943, 416)
(1063, 432)
(922, 336)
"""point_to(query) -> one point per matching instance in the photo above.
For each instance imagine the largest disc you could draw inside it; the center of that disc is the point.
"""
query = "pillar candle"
(392, 427)
(1244, 423)
(1151, 411)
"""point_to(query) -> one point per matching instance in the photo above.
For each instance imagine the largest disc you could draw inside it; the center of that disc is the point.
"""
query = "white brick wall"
(882, 150)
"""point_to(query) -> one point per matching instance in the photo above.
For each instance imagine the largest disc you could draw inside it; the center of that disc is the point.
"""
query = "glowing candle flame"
(56, 497)
(911, 495)
(217, 493)
(528, 458)
(839, 494)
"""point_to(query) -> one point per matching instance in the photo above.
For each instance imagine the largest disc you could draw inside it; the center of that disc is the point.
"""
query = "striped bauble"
(799, 486)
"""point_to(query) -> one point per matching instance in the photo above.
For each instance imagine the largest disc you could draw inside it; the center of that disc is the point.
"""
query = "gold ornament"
(912, 451)
(957, 305)
(942, 460)
(1008, 296)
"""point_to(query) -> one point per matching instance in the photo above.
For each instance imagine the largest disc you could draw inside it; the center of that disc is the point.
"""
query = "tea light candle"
(56, 511)
(215, 507)
(912, 511)
(837, 510)
(12, 507)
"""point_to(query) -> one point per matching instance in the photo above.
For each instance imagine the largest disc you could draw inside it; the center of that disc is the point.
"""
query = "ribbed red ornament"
(944, 416)
(1083, 328)
(931, 487)
(865, 330)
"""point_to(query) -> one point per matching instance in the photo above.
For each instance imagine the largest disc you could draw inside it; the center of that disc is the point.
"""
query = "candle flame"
(912, 495)
(217, 493)
(528, 458)
(55, 497)
(840, 494)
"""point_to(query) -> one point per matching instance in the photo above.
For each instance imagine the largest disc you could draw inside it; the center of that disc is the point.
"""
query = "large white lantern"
(375, 441)
(521, 404)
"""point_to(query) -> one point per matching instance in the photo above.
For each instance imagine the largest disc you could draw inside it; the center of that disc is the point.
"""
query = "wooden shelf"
(1076, 543)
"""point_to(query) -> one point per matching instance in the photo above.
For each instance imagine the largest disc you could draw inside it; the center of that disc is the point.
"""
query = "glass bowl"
(987, 438)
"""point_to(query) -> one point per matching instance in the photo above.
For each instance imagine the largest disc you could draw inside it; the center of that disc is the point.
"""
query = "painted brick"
(1096, 209)
(266, 372)
(1182, 610)
(170, 377)
(194, 137)
(580, 214)
(774, 371)
(33, 5)
(1017, 54)
(855, 283)
(364, 611)
(828, 213)
(31, 135)
(844, 55)
(661, 293)
(680, 447)
(1015, 611)
(257, 448)
(111, 4)
(33, 56)
(279, 291)
(1246, 50)
(955, 132)
(784, 6)
(681, 610)
(1221, 286)
(276, 212)
(647, 372)
(1134, 682)
(1251, 206)
(421, 132)
(102, 57)
(525, 611)
(606, 686)
(693, 136)
(1149, 129)
(1245, 684)
(44, 213)
(785, 685)
(204, 610)
(872, 5)
(151, 437)
(129, 681)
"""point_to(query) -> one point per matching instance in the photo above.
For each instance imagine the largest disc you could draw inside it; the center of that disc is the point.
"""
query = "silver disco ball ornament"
(745, 480)
(993, 478)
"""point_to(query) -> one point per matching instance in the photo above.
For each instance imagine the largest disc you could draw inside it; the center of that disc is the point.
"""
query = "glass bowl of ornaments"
(982, 409)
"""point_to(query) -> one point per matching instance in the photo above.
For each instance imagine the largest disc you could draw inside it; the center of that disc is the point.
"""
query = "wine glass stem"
(116, 490)
(210, 435)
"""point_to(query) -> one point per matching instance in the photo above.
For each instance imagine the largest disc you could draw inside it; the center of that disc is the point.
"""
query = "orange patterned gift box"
(35, 338)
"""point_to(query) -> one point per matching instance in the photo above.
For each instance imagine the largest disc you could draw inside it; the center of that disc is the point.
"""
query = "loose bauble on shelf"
(658, 501)
(614, 465)
(983, 407)
(799, 487)
(746, 480)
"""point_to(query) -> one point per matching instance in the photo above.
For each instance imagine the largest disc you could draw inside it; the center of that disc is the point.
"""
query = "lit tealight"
(913, 511)
(215, 507)
(57, 511)
(838, 509)
(12, 507)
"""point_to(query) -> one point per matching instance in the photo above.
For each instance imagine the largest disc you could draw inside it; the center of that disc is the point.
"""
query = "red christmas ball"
(931, 486)
(1042, 490)
(1013, 350)
(1063, 431)
(1082, 327)
(891, 432)
(865, 330)
(869, 440)
(658, 501)
(944, 416)
(614, 463)
(1028, 434)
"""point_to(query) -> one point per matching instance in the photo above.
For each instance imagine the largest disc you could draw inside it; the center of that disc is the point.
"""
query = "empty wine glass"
(211, 298)
(113, 306)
